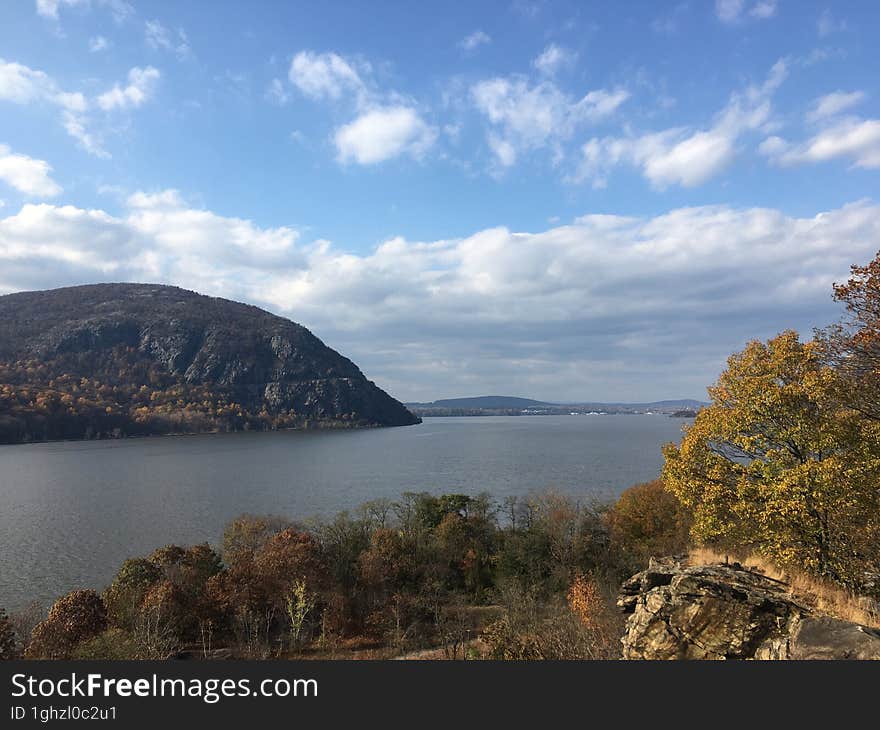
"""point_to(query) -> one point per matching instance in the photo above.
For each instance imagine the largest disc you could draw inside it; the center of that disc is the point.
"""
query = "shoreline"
(340, 427)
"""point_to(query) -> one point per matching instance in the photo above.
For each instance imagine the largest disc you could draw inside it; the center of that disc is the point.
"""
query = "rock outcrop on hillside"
(129, 359)
(722, 611)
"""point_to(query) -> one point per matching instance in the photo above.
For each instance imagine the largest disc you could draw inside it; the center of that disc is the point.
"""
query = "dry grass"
(819, 595)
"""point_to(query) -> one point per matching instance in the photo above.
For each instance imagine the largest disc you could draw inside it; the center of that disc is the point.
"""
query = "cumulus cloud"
(20, 84)
(386, 125)
(527, 116)
(23, 85)
(607, 307)
(474, 40)
(681, 155)
(553, 58)
(383, 133)
(142, 83)
(325, 75)
(27, 175)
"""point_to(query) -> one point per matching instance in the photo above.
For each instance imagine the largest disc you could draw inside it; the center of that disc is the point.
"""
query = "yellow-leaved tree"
(776, 465)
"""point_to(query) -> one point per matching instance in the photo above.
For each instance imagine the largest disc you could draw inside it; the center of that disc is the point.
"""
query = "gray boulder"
(722, 611)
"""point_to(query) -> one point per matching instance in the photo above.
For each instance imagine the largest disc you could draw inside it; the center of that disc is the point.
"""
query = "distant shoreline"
(484, 413)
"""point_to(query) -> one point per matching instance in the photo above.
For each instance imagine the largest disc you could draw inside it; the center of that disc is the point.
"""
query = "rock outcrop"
(721, 611)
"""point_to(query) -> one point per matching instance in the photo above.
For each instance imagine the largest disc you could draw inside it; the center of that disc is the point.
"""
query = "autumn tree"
(74, 618)
(647, 520)
(853, 345)
(775, 465)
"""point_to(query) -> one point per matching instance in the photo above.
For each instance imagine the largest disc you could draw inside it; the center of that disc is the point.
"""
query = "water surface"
(71, 512)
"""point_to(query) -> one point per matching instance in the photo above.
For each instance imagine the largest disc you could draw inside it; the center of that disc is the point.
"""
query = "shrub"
(112, 644)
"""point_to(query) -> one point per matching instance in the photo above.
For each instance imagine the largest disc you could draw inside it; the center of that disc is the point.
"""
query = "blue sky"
(554, 199)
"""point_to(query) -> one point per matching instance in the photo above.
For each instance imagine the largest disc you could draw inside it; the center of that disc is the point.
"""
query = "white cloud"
(733, 11)
(75, 126)
(120, 9)
(324, 75)
(23, 85)
(98, 43)
(681, 155)
(27, 175)
(141, 86)
(763, 9)
(504, 151)
(49, 8)
(729, 11)
(553, 58)
(158, 37)
(527, 117)
(387, 124)
(834, 103)
(383, 133)
(20, 84)
(839, 137)
(608, 307)
(852, 138)
(474, 40)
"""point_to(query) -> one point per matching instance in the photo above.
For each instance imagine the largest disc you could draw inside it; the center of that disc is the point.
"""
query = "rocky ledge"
(721, 611)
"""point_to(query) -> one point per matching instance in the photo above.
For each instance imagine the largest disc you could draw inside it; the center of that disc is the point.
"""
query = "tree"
(776, 465)
(74, 618)
(853, 345)
(647, 520)
(125, 595)
(246, 534)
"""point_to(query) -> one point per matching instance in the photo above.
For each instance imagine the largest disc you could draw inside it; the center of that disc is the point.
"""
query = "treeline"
(532, 578)
(119, 392)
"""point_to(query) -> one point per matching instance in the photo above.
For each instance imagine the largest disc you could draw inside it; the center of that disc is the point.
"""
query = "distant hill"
(132, 359)
(510, 405)
(483, 401)
(660, 405)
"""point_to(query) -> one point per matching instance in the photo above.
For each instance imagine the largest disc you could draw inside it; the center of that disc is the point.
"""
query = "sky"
(568, 201)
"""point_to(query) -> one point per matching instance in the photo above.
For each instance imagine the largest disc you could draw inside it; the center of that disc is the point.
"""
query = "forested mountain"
(112, 360)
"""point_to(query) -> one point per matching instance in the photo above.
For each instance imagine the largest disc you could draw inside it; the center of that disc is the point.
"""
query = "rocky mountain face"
(730, 612)
(209, 361)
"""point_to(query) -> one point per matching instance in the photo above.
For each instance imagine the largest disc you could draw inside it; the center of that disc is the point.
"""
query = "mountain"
(133, 359)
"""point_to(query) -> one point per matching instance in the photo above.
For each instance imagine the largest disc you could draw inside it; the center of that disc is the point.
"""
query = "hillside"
(508, 405)
(112, 360)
